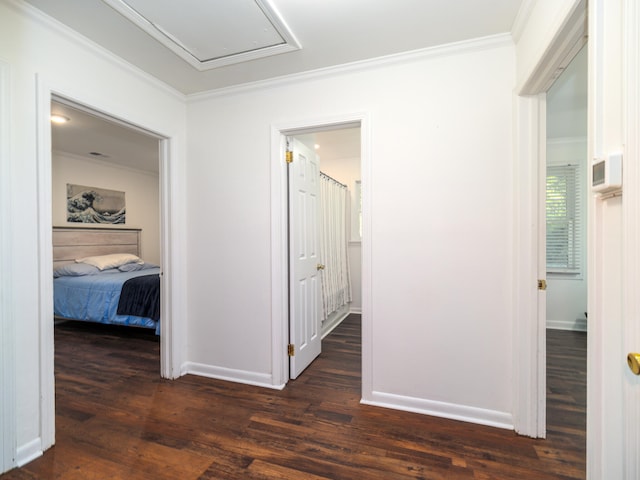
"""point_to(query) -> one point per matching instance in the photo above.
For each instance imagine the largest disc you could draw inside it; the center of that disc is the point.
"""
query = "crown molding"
(456, 48)
(95, 49)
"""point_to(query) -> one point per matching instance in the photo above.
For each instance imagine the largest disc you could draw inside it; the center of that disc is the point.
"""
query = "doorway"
(335, 171)
(566, 165)
(280, 225)
(530, 182)
(47, 386)
(566, 250)
(96, 162)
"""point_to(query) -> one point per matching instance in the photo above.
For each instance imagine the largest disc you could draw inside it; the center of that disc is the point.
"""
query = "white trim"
(529, 380)
(570, 36)
(45, 263)
(279, 242)
(456, 48)
(578, 325)
(595, 354)
(95, 49)
(230, 374)
(279, 262)
(434, 408)
(172, 343)
(29, 452)
(7, 331)
(335, 319)
(631, 233)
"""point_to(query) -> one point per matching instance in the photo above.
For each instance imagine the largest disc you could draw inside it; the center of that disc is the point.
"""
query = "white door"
(304, 263)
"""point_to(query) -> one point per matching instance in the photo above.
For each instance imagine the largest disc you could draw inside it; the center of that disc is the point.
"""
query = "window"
(564, 220)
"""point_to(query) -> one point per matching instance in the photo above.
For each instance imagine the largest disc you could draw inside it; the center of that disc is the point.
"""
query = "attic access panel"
(209, 34)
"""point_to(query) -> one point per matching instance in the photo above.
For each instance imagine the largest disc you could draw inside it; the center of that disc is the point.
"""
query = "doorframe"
(529, 352)
(169, 339)
(279, 240)
(8, 440)
(631, 233)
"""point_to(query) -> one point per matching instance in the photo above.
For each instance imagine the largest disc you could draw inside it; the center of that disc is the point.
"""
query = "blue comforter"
(94, 298)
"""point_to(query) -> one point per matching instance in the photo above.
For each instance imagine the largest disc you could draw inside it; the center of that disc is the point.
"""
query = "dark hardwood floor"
(116, 419)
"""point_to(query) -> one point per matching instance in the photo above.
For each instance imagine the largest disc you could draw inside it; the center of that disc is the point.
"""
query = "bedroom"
(93, 154)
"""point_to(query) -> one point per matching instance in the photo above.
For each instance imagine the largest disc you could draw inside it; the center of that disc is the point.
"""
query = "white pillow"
(103, 262)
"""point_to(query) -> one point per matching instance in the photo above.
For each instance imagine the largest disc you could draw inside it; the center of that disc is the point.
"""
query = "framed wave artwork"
(95, 205)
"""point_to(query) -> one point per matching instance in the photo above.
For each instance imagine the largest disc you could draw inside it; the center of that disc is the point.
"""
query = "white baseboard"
(334, 320)
(229, 374)
(451, 411)
(28, 452)
(578, 325)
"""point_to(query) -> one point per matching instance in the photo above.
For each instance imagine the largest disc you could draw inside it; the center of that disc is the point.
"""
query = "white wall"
(141, 194)
(441, 238)
(43, 57)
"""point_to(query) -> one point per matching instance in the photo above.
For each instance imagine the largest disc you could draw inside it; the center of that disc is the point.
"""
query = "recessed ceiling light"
(316, 146)
(55, 118)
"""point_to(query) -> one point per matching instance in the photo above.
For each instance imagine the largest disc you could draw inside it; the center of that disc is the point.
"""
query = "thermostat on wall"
(607, 173)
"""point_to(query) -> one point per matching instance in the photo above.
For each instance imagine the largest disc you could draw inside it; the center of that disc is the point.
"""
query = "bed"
(111, 284)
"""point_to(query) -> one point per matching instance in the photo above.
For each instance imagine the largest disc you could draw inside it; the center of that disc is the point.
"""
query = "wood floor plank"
(115, 418)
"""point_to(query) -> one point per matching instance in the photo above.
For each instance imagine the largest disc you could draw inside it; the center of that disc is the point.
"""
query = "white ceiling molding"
(462, 47)
(202, 34)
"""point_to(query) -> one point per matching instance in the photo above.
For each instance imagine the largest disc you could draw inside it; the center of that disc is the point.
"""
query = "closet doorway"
(330, 134)
(325, 235)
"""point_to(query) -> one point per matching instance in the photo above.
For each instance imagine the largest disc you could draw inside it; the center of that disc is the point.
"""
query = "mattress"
(95, 298)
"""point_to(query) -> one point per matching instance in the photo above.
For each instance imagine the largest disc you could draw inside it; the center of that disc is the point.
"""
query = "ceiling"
(327, 32)
(93, 137)
(201, 45)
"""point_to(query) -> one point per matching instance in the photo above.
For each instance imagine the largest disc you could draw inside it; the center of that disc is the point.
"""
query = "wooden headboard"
(70, 243)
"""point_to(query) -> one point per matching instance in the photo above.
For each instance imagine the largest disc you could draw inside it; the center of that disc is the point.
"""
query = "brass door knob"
(319, 266)
(633, 359)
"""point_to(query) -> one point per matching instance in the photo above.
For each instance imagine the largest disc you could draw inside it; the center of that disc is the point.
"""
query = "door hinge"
(288, 156)
(291, 349)
(542, 284)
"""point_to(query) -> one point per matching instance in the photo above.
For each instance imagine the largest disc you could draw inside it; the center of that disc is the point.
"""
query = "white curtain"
(336, 284)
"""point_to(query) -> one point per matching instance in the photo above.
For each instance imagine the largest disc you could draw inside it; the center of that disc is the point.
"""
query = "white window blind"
(564, 219)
